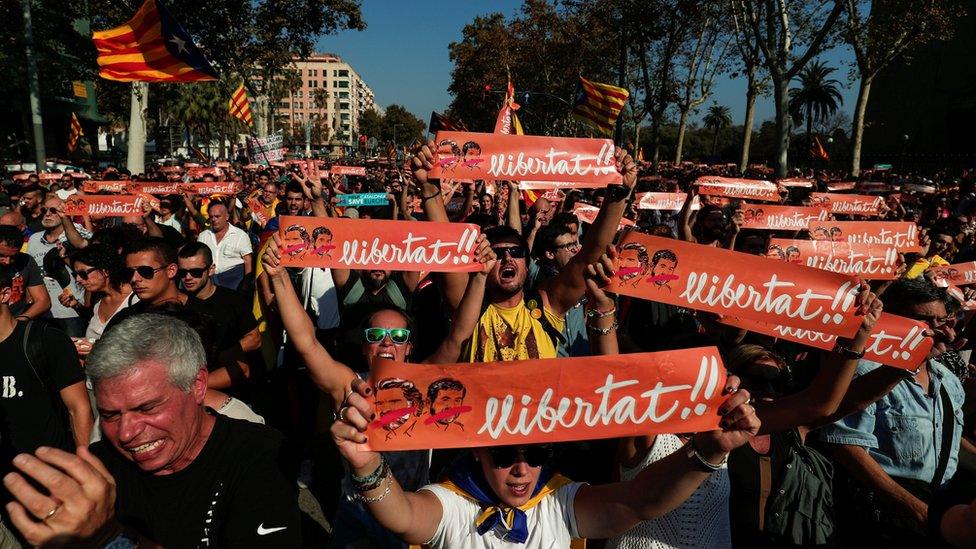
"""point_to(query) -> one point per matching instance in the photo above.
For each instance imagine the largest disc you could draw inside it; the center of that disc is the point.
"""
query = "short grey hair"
(155, 337)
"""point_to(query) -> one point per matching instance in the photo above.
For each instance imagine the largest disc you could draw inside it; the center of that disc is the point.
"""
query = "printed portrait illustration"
(445, 404)
(836, 235)
(634, 263)
(776, 252)
(398, 405)
(820, 233)
(322, 245)
(792, 254)
(448, 154)
(663, 264)
(296, 241)
(471, 155)
(754, 215)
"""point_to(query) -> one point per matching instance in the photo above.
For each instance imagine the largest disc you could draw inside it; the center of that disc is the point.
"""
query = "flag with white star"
(151, 47)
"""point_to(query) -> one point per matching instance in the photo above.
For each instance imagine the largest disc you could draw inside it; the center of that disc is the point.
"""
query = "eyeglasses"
(194, 272)
(516, 252)
(144, 271)
(49, 210)
(398, 336)
(84, 273)
(575, 245)
(933, 321)
(504, 457)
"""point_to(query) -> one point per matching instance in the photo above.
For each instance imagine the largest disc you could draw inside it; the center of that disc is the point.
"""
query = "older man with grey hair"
(183, 476)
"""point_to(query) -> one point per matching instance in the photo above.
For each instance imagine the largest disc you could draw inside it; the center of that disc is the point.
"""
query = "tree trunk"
(810, 133)
(655, 141)
(781, 97)
(857, 132)
(136, 158)
(715, 141)
(751, 93)
(682, 126)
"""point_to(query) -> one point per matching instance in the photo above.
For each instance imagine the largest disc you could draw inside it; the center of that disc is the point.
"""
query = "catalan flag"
(599, 105)
(817, 150)
(75, 134)
(506, 116)
(440, 122)
(151, 47)
(240, 107)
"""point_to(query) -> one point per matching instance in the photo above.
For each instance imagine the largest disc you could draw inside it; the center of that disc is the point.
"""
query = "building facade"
(330, 99)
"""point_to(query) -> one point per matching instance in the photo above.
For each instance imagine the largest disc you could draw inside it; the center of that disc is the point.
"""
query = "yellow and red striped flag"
(599, 105)
(75, 133)
(240, 107)
(151, 47)
(817, 150)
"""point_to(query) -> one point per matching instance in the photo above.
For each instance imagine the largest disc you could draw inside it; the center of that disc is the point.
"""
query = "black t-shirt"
(235, 493)
(231, 312)
(31, 411)
(26, 274)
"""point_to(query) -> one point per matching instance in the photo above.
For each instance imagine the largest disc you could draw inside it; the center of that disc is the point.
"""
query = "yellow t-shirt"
(514, 333)
(922, 264)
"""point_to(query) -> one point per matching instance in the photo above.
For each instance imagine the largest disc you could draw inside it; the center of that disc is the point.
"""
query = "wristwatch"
(700, 463)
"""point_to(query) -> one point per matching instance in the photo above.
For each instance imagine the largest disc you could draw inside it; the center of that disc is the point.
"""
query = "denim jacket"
(903, 430)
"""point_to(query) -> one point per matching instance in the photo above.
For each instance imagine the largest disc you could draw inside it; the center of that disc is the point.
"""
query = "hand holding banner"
(731, 283)
(902, 235)
(733, 187)
(466, 155)
(780, 218)
(894, 341)
(375, 244)
(869, 261)
(542, 401)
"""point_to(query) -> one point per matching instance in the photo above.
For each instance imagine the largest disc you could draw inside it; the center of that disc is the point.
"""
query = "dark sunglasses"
(49, 210)
(194, 272)
(84, 274)
(516, 252)
(144, 271)
(504, 457)
(398, 336)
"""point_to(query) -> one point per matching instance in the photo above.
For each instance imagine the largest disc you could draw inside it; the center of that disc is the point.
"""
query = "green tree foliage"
(719, 117)
(817, 98)
(397, 124)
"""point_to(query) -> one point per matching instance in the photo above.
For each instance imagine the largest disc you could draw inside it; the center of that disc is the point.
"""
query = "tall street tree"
(718, 118)
(817, 98)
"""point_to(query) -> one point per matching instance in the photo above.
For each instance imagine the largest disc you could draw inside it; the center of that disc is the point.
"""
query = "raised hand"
(352, 420)
(423, 162)
(626, 167)
(271, 260)
(486, 256)
(739, 423)
(597, 276)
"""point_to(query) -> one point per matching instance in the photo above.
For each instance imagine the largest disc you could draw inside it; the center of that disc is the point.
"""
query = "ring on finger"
(342, 413)
(52, 512)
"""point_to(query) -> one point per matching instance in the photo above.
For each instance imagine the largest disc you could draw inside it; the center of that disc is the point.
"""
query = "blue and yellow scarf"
(466, 479)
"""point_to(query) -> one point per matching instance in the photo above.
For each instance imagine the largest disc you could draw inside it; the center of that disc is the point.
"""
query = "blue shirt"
(903, 430)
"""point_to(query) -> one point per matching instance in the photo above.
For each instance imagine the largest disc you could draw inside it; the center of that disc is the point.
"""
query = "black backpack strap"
(948, 428)
(33, 347)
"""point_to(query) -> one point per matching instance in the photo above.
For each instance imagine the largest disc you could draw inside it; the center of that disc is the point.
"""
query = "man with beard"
(519, 322)
(30, 206)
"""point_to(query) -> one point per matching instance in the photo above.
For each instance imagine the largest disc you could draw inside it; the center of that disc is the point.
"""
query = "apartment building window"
(284, 105)
(325, 83)
(343, 95)
(298, 94)
(343, 73)
(344, 116)
(342, 83)
(344, 106)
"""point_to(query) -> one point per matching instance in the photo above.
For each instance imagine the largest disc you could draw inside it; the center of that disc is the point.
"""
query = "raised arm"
(564, 290)
(331, 376)
(513, 215)
(602, 326)
(684, 217)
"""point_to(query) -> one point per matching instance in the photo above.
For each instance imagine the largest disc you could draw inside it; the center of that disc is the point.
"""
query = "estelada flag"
(152, 47)
(599, 105)
(239, 106)
(817, 150)
(439, 122)
(75, 134)
(506, 115)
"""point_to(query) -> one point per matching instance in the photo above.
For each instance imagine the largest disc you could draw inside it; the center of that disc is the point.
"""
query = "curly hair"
(444, 383)
(410, 392)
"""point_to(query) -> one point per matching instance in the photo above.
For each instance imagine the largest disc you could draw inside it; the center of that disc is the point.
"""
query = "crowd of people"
(166, 380)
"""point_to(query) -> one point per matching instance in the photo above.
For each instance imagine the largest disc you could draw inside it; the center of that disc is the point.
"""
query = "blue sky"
(403, 57)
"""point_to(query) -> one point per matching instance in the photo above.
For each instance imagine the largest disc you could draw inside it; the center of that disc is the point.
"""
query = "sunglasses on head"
(144, 271)
(83, 274)
(398, 336)
(504, 457)
(194, 272)
(516, 252)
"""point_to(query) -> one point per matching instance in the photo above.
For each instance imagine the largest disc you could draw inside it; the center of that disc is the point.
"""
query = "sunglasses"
(84, 274)
(504, 457)
(49, 210)
(144, 271)
(398, 336)
(516, 252)
(194, 272)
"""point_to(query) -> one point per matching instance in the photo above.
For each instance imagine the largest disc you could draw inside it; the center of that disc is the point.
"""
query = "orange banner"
(840, 186)
(105, 186)
(733, 283)
(850, 204)
(170, 169)
(587, 214)
(874, 186)
(665, 201)
(107, 206)
(524, 157)
(204, 170)
(539, 185)
(733, 187)
(800, 182)
(902, 235)
(895, 340)
(377, 244)
(258, 211)
(960, 274)
(347, 170)
(423, 406)
(869, 261)
(780, 218)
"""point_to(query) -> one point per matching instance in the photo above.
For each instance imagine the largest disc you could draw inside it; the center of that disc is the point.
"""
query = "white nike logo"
(262, 531)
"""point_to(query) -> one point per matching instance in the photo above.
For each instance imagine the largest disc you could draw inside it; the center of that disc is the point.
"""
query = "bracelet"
(375, 499)
(426, 198)
(603, 331)
(22, 317)
(849, 353)
(593, 313)
(700, 463)
(372, 480)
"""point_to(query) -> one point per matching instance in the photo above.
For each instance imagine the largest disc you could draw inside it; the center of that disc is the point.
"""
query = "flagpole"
(35, 90)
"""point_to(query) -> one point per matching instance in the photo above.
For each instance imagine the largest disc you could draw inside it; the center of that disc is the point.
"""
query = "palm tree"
(719, 117)
(200, 108)
(817, 98)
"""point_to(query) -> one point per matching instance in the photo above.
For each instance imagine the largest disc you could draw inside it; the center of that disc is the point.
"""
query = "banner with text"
(492, 156)
(665, 201)
(105, 186)
(733, 187)
(423, 406)
(362, 199)
(587, 214)
(347, 170)
(202, 189)
(902, 235)
(850, 204)
(377, 244)
(107, 206)
(780, 218)
(960, 274)
(733, 283)
(895, 340)
(869, 261)
(540, 185)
